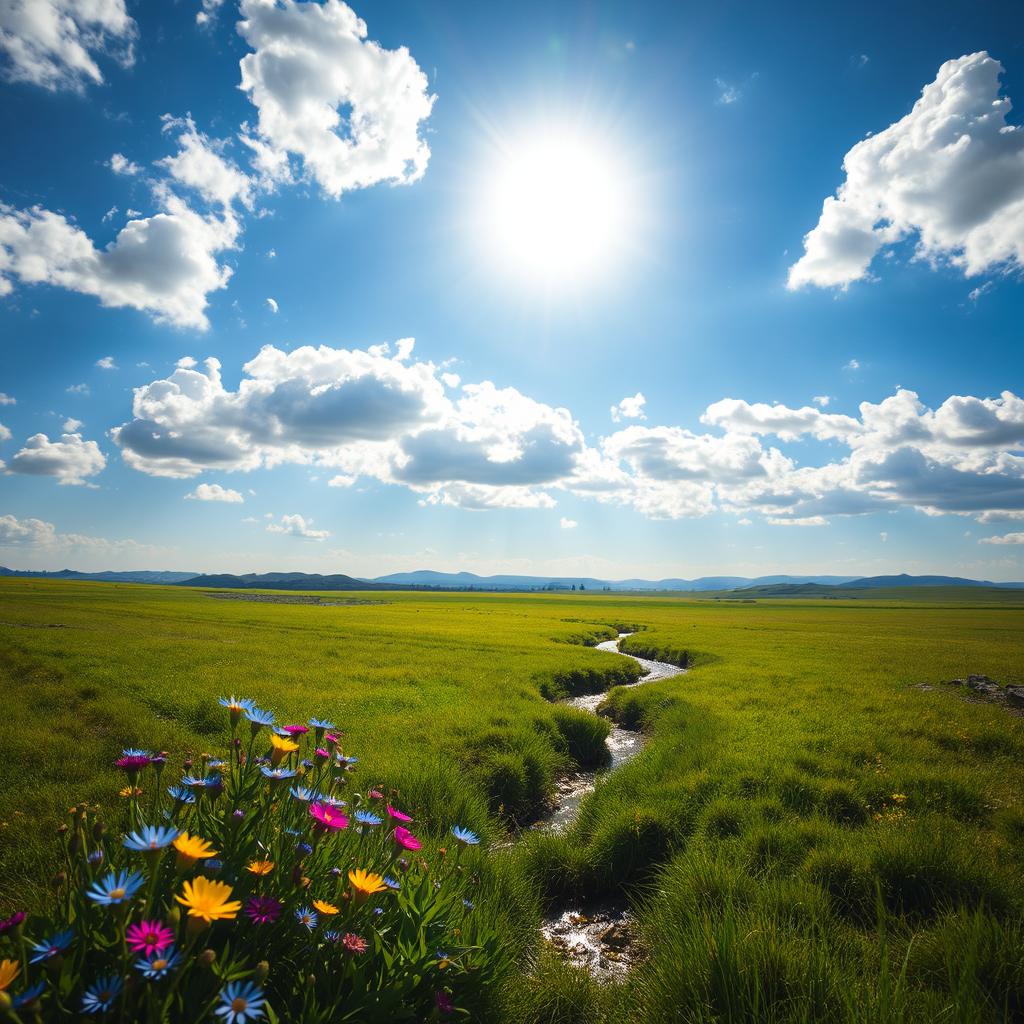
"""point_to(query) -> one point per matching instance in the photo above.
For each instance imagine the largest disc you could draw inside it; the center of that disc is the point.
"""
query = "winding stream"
(596, 935)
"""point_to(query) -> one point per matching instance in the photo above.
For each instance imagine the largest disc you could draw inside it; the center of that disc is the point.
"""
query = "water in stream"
(597, 935)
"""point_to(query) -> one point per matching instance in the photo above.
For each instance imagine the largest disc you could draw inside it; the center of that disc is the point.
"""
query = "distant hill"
(283, 581)
(429, 578)
(138, 576)
(903, 580)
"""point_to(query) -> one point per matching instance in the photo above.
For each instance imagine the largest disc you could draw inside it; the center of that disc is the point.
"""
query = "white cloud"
(272, 303)
(727, 93)
(199, 164)
(106, 363)
(884, 536)
(735, 415)
(451, 380)
(40, 536)
(165, 265)
(821, 401)
(950, 173)
(853, 364)
(297, 526)
(120, 164)
(5, 433)
(342, 480)
(348, 108)
(629, 408)
(214, 492)
(55, 43)
(1006, 538)
(71, 460)
(71, 425)
(6, 399)
(208, 11)
(567, 524)
(798, 521)
(77, 389)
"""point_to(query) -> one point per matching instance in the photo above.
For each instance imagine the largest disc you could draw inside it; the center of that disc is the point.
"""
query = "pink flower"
(406, 840)
(353, 943)
(263, 909)
(328, 817)
(397, 815)
(12, 922)
(132, 763)
(375, 794)
(331, 738)
(148, 937)
(444, 1002)
(295, 730)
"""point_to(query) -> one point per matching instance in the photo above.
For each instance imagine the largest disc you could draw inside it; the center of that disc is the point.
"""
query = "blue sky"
(566, 206)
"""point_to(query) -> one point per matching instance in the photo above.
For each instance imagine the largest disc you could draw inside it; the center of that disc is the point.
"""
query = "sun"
(555, 209)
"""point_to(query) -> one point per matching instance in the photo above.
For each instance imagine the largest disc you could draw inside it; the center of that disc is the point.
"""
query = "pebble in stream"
(598, 935)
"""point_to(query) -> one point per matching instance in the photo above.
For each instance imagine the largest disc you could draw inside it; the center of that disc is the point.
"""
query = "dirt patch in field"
(293, 599)
(981, 689)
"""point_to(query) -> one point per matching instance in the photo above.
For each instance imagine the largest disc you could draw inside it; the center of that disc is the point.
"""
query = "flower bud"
(262, 970)
(98, 830)
(58, 879)
(206, 958)
(310, 980)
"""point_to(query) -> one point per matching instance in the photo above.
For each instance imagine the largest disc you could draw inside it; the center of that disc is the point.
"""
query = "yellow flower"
(8, 972)
(324, 907)
(209, 901)
(279, 747)
(192, 848)
(260, 867)
(365, 884)
(130, 791)
(899, 797)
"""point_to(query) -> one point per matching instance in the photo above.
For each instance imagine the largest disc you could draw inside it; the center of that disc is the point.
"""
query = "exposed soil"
(290, 599)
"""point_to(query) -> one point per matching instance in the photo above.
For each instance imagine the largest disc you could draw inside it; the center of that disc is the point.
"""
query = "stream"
(597, 935)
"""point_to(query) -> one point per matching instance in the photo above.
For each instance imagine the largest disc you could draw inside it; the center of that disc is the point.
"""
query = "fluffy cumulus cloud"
(40, 535)
(214, 492)
(165, 265)
(348, 109)
(950, 174)
(1006, 538)
(630, 408)
(71, 460)
(383, 415)
(56, 43)
(297, 526)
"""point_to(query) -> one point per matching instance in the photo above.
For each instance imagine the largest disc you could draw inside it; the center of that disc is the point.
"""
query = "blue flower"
(150, 838)
(30, 995)
(304, 848)
(346, 759)
(304, 794)
(467, 904)
(216, 766)
(366, 818)
(237, 702)
(212, 866)
(240, 1002)
(332, 936)
(159, 965)
(258, 718)
(464, 836)
(307, 916)
(281, 732)
(193, 781)
(391, 883)
(181, 795)
(321, 724)
(135, 752)
(100, 995)
(115, 888)
(333, 801)
(49, 948)
(95, 857)
(277, 774)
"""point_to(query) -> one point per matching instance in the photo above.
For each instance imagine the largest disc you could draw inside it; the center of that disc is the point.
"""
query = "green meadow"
(809, 834)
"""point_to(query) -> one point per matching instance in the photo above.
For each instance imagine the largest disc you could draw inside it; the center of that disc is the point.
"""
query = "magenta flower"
(12, 922)
(443, 1001)
(132, 763)
(375, 794)
(295, 730)
(397, 814)
(328, 817)
(148, 937)
(406, 840)
(353, 943)
(263, 909)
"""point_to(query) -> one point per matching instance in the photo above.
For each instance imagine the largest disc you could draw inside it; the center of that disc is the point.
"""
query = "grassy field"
(808, 834)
